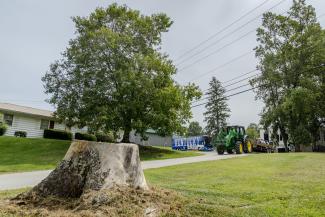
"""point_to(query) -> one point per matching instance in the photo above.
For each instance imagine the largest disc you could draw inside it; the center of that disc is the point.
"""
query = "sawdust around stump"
(117, 201)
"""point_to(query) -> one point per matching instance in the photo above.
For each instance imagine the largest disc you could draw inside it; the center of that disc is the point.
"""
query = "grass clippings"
(119, 201)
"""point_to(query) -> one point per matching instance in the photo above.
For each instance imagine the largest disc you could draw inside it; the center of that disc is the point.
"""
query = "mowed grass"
(258, 185)
(26, 154)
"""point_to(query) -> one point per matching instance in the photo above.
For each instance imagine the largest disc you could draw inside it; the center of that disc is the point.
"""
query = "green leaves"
(113, 77)
(291, 52)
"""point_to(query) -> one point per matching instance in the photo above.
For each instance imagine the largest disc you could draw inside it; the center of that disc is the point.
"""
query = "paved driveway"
(29, 179)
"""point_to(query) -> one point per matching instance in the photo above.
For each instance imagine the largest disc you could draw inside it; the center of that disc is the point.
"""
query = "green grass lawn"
(259, 185)
(25, 154)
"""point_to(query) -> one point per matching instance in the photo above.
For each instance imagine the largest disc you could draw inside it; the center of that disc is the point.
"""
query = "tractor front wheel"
(221, 149)
(239, 147)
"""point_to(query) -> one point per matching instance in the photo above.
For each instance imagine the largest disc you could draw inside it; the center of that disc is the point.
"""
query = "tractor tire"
(248, 148)
(230, 151)
(221, 149)
(239, 147)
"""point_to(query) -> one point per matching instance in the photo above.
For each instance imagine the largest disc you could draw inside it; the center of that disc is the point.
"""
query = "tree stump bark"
(93, 166)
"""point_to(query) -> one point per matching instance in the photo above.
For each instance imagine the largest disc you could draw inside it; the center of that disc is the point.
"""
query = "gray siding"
(153, 140)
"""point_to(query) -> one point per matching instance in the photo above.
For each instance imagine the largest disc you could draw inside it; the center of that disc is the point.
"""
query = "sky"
(34, 33)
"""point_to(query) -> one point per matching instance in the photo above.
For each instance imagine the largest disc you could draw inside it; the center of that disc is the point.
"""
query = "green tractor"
(232, 139)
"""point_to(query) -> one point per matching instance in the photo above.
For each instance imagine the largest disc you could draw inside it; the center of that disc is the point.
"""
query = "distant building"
(320, 144)
(31, 120)
(267, 136)
(153, 139)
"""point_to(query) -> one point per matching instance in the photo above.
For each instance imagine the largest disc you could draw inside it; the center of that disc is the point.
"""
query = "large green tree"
(291, 55)
(113, 76)
(194, 129)
(217, 109)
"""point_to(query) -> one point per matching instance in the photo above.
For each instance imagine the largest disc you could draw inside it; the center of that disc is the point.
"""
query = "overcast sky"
(34, 33)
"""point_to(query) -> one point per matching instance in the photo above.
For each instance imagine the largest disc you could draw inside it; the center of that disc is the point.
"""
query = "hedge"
(85, 136)
(57, 134)
(20, 134)
(101, 137)
(3, 129)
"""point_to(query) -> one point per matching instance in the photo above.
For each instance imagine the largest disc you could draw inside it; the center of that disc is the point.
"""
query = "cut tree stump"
(92, 166)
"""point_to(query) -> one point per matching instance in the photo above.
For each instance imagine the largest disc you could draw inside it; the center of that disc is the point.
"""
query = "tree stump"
(92, 166)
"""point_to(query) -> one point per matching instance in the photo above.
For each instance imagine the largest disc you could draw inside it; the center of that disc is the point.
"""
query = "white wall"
(269, 131)
(31, 125)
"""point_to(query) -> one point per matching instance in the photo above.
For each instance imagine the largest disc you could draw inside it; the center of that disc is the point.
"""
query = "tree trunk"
(92, 166)
(297, 147)
(126, 136)
(285, 138)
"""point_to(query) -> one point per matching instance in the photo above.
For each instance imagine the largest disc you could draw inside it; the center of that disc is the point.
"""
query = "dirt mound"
(117, 201)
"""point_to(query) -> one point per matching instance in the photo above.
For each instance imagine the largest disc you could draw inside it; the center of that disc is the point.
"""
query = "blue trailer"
(200, 143)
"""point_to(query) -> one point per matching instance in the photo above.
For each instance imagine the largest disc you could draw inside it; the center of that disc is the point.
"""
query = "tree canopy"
(194, 129)
(291, 55)
(217, 108)
(252, 131)
(113, 76)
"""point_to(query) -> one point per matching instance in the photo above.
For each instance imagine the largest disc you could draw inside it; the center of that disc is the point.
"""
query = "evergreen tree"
(217, 108)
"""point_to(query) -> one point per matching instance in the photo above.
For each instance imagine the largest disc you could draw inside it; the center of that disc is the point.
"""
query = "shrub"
(102, 137)
(21, 134)
(57, 134)
(85, 136)
(3, 129)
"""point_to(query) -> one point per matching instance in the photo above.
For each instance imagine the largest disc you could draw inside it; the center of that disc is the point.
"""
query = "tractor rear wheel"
(239, 147)
(248, 147)
(221, 149)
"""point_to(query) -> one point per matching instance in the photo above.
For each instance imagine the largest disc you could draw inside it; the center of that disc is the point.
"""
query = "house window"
(51, 125)
(44, 124)
(8, 119)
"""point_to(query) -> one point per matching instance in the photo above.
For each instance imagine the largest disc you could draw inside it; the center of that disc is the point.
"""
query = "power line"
(222, 30)
(223, 65)
(226, 97)
(225, 36)
(235, 79)
(242, 75)
(235, 88)
(323, 14)
(316, 67)
(224, 92)
(216, 51)
(244, 79)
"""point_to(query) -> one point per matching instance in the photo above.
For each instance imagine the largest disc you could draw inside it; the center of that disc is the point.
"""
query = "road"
(29, 179)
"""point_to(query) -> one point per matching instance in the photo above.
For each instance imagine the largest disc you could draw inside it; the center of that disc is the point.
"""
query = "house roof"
(25, 110)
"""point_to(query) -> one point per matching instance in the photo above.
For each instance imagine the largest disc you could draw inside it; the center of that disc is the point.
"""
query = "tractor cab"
(240, 130)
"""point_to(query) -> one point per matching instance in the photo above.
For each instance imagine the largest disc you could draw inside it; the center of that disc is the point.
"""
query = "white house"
(31, 120)
(320, 144)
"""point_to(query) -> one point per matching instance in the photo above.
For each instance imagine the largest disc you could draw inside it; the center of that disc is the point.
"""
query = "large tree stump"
(93, 166)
